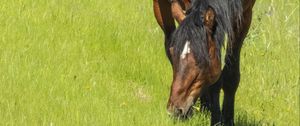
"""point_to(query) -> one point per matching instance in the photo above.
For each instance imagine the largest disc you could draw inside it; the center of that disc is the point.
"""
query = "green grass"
(96, 62)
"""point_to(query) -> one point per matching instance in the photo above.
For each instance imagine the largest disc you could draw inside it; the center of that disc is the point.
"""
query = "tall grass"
(96, 62)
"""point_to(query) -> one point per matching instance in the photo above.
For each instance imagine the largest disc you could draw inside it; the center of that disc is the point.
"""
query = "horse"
(194, 51)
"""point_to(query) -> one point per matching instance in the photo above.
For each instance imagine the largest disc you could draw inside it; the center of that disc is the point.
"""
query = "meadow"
(96, 62)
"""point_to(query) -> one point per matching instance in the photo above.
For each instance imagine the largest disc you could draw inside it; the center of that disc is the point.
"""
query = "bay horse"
(194, 51)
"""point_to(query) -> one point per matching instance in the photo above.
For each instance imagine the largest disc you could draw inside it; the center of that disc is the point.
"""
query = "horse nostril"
(178, 111)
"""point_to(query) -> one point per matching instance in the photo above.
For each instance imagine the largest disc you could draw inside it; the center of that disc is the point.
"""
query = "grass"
(96, 62)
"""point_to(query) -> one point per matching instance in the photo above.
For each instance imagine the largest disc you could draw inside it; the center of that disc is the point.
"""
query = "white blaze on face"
(186, 50)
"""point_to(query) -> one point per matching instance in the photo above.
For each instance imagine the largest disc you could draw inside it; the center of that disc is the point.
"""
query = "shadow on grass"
(242, 118)
(245, 119)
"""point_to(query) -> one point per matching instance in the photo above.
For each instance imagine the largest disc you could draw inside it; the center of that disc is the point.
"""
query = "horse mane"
(192, 28)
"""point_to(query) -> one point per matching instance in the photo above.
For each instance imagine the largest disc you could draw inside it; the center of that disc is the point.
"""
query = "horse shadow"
(242, 119)
(245, 119)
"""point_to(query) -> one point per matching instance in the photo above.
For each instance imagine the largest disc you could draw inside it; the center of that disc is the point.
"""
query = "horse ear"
(209, 18)
(171, 49)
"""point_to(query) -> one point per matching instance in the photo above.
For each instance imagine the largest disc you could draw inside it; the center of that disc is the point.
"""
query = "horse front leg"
(210, 101)
(231, 71)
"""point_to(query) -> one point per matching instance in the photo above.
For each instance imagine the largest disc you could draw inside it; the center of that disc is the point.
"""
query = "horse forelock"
(192, 28)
